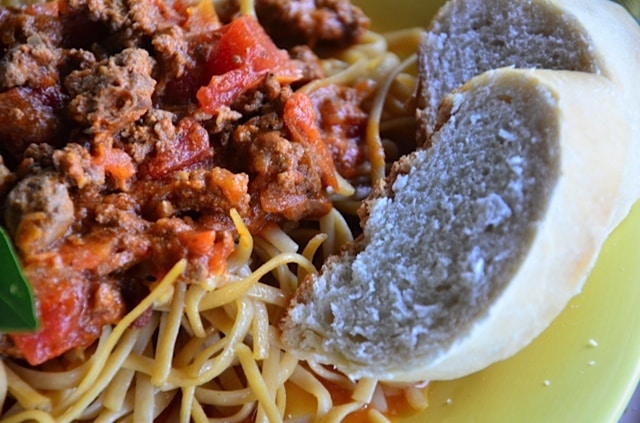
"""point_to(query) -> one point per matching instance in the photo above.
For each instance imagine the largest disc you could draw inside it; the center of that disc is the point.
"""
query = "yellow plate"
(585, 366)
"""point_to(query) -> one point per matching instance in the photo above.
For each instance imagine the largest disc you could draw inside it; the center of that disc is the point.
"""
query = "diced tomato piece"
(198, 243)
(190, 146)
(245, 44)
(221, 252)
(234, 186)
(300, 119)
(116, 163)
(224, 89)
(59, 307)
(206, 244)
(243, 55)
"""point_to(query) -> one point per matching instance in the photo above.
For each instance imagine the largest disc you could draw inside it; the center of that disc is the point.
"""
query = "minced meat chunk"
(336, 23)
(113, 93)
(30, 116)
(38, 212)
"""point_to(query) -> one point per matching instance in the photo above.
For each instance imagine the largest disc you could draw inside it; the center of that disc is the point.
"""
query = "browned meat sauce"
(112, 170)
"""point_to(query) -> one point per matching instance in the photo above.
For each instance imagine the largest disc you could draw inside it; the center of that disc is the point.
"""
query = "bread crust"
(594, 136)
(612, 36)
(570, 237)
(599, 119)
(615, 41)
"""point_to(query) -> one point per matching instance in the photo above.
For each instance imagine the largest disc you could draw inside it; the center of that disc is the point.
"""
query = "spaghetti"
(210, 351)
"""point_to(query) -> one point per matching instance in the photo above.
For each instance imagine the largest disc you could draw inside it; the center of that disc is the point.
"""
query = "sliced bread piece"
(468, 37)
(472, 246)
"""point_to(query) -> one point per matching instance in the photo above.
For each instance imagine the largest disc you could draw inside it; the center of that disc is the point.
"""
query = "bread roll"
(472, 246)
(468, 37)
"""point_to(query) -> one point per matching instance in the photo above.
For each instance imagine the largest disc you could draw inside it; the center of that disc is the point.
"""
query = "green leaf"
(17, 308)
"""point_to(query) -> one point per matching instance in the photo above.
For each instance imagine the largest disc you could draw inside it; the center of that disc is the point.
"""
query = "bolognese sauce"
(130, 129)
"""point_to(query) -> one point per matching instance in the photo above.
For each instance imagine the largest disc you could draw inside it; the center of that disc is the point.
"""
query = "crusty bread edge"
(595, 135)
(615, 38)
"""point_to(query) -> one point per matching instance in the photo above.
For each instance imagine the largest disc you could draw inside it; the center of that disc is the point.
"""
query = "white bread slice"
(468, 37)
(472, 246)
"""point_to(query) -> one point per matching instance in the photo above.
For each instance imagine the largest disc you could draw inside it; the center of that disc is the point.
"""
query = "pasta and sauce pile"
(170, 173)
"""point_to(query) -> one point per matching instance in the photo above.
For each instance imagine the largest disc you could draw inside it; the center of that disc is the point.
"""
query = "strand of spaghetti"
(69, 412)
(340, 412)
(103, 353)
(200, 360)
(194, 295)
(24, 393)
(337, 229)
(373, 141)
(281, 399)
(231, 292)
(198, 414)
(268, 294)
(288, 365)
(406, 39)
(112, 416)
(48, 381)
(221, 318)
(209, 369)
(394, 105)
(144, 399)
(257, 384)
(371, 45)
(241, 416)
(177, 378)
(374, 416)
(91, 411)
(402, 90)
(379, 399)
(309, 252)
(224, 398)
(309, 383)
(247, 8)
(327, 227)
(266, 249)
(343, 77)
(243, 250)
(116, 393)
(167, 335)
(109, 416)
(186, 406)
(282, 273)
(415, 398)
(344, 187)
(184, 356)
(270, 370)
(37, 416)
(139, 363)
(279, 239)
(163, 400)
(260, 330)
(334, 377)
(408, 80)
(365, 388)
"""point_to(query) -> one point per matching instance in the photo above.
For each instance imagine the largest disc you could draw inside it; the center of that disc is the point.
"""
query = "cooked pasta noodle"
(210, 352)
